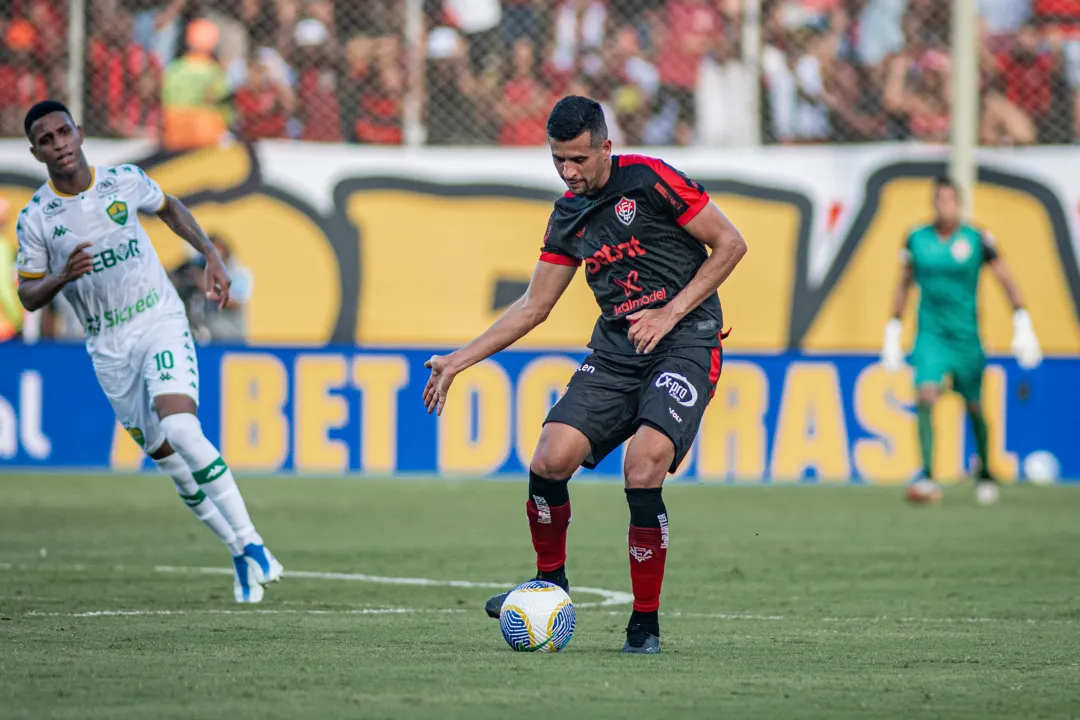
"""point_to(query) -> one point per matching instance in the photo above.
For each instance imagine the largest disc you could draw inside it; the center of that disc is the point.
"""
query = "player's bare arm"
(549, 282)
(180, 220)
(36, 293)
(727, 247)
(1001, 272)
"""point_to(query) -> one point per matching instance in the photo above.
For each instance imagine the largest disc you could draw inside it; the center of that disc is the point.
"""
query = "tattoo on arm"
(180, 220)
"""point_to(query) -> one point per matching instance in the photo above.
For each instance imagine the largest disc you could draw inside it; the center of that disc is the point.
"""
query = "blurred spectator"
(450, 107)
(21, 81)
(917, 92)
(124, 80)
(855, 112)
(796, 90)
(194, 93)
(264, 103)
(1033, 75)
(1004, 17)
(725, 91)
(691, 30)
(579, 34)
(155, 26)
(209, 323)
(525, 102)
(478, 21)
(629, 84)
(11, 310)
(317, 59)
(880, 31)
(520, 17)
(261, 21)
(378, 76)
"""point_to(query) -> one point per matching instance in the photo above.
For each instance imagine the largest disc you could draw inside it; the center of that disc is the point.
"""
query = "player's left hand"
(649, 326)
(217, 281)
(438, 384)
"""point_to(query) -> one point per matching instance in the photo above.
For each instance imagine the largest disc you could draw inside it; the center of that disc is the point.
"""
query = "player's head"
(54, 137)
(946, 201)
(578, 137)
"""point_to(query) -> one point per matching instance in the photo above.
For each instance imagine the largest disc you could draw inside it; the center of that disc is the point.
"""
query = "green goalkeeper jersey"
(946, 270)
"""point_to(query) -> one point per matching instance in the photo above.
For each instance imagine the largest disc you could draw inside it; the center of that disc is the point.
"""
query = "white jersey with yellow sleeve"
(128, 290)
(134, 323)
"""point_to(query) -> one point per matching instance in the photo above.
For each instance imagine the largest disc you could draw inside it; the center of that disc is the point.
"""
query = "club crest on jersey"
(118, 212)
(961, 250)
(107, 186)
(53, 208)
(136, 435)
(625, 210)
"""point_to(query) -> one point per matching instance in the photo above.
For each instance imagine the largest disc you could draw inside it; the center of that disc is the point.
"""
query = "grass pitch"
(810, 602)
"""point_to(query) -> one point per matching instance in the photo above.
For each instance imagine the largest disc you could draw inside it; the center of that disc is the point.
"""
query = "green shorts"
(934, 358)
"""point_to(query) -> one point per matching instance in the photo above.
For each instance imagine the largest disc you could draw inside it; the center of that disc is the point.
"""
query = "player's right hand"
(442, 374)
(892, 353)
(79, 263)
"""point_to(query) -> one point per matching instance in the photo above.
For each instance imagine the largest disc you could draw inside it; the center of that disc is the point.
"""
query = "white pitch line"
(208, 611)
(610, 597)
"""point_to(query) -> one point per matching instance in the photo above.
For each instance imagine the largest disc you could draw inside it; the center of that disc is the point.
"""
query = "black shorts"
(611, 395)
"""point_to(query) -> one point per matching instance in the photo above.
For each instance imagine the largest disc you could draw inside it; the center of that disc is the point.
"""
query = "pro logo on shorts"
(678, 388)
(118, 212)
(961, 250)
(626, 209)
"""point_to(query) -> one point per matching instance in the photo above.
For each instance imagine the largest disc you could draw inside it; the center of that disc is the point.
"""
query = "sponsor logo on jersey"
(678, 388)
(625, 210)
(674, 415)
(110, 257)
(108, 186)
(120, 316)
(676, 203)
(166, 377)
(629, 284)
(118, 212)
(655, 296)
(961, 250)
(609, 254)
(59, 231)
(54, 207)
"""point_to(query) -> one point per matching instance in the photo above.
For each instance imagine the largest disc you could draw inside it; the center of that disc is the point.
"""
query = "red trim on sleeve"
(692, 212)
(557, 259)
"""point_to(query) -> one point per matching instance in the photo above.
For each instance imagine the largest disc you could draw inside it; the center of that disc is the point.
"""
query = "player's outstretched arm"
(549, 282)
(180, 220)
(1025, 344)
(892, 352)
(712, 228)
(36, 293)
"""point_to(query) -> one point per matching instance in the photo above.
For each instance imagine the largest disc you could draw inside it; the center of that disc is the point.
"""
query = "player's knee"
(927, 395)
(551, 464)
(183, 431)
(975, 409)
(646, 470)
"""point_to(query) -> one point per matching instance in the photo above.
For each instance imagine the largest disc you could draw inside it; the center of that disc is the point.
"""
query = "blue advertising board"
(789, 417)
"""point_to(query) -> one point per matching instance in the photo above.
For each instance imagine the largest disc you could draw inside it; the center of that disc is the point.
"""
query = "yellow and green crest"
(118, 212)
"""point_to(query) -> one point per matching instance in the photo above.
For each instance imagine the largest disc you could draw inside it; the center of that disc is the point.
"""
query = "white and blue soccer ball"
(537, 616)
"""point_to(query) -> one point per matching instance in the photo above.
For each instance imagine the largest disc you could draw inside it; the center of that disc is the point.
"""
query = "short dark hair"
(40, 110)
(574, 115)
(945, 181)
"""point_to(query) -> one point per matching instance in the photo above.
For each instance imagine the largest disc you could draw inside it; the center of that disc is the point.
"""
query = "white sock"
(207, 512)
(210, 472)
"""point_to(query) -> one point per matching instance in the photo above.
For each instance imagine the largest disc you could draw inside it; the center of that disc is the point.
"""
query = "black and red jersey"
(637, 254)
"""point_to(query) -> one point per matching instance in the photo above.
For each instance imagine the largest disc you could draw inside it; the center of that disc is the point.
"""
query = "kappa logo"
(626, 210)
(53, 208)
(640, 554)
(108, 186)
(215, 471)
(678, 388)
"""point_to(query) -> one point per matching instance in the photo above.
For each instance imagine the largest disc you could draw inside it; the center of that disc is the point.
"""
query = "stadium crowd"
(189, 72)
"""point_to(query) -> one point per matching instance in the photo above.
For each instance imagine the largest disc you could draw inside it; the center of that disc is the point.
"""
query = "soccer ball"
(1041, 467)
(537, 616)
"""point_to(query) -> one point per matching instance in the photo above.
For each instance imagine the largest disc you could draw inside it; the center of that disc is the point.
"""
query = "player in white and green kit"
(80, 234)
(945, 259)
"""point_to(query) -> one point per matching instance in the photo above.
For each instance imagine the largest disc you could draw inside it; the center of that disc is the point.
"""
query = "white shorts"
(162, 362)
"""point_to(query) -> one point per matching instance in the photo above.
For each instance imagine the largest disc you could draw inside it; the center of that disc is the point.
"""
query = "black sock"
(650, 621)
(554, 492)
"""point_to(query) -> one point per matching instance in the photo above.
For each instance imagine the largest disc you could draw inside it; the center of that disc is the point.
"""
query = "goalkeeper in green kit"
(945, 259)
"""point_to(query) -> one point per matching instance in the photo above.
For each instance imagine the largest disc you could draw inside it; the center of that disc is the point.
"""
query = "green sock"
(978, 425)
(926, 438)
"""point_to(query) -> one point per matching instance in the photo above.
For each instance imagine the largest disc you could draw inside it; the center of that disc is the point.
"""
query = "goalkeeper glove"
(892, 355)
(1025, 346)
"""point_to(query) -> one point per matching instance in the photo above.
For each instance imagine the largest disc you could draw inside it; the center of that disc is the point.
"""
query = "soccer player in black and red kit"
(655, 250)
